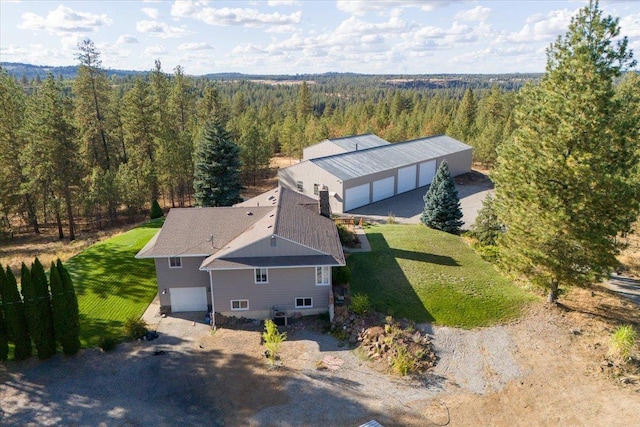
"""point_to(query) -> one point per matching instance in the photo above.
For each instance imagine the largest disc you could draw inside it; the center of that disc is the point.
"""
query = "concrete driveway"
(625, 286)
(407, 207)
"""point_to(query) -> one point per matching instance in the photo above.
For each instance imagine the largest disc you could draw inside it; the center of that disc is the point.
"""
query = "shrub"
(622, 342)
(341, 275)
(402, 362)
(156, 210)
(360, 303)
(134, 328)
(391, 218)
(107, 343)
(272, 339)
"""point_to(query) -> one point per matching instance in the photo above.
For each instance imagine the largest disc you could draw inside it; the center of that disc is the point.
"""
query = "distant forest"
(91, 146)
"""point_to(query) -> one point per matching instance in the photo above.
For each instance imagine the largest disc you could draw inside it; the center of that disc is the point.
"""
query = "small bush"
(391, 218)
(622, 342)
(134, 328)
(156, 210)
(360, 304)
(402, 362)
(341, 275)
(272, 339)
(107, 343)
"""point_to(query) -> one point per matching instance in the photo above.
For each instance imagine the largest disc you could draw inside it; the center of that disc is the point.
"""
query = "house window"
(175, 262)
(316, 187)
(322, 276)
(304, 302)
(300, 187)
(239, 304)
(261, 275)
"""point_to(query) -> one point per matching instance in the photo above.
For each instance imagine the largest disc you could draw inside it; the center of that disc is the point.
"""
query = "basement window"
(175, 262)
(261, 275)
(300, 186)
(239, 304)
(304, 302)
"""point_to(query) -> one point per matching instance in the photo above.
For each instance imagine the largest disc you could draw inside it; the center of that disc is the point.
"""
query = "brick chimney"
(323, 202)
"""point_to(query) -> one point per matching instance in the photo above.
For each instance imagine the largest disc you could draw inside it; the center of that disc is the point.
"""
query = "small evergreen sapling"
(156, 210)
(441, 204)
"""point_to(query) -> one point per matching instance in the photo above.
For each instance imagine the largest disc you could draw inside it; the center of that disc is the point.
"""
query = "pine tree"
(487, 227)
(72, 312)
(4, 333)
(463, 125)
(441, 204)
(45, 315)
(15, 317)
(567, 180)
(217, 167)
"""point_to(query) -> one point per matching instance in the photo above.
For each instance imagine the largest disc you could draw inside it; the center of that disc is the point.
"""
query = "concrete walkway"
(364, 242)
(625, 286)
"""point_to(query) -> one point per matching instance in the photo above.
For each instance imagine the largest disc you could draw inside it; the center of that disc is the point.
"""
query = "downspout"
(213, 307)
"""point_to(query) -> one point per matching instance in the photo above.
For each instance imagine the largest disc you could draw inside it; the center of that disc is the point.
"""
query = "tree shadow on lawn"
(378, 274)
(182, 386)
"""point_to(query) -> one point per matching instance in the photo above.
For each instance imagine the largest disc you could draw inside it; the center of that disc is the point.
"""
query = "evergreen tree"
(15, 317)
(71, 343)
(4, 333)
(441, 204)
(45, 315)
(304, 105)
(567, 180)
(255, 153)
(463, 125)
(156, 210)
(57, 304)
(217, 167)
(487, 227)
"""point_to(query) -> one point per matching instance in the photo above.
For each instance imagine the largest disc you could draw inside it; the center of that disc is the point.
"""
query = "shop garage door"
(406, 179)
(355, 197)
(427, 172)
(188, 299)
(383, 188)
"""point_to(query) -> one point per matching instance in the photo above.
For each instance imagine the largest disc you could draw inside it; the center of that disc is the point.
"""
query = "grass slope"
(427, 275)
(111, 284)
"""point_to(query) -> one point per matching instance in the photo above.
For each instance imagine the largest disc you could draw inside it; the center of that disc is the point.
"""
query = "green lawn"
(428, 275)
(111, 284)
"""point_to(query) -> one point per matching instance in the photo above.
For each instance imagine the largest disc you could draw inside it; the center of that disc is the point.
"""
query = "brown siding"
(186, 277)
(263, 248)
(285, 284)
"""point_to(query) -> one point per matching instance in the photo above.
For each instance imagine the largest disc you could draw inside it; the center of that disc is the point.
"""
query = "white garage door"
(188, 299)
(383, 188)
(355, 197)
(406, 179)
(427, 172)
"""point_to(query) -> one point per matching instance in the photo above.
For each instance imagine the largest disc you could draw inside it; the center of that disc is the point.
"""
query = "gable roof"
(281, 212)
(372, 160)
(360, 142)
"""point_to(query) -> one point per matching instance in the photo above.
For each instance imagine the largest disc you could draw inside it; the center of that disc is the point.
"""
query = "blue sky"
(299, 36)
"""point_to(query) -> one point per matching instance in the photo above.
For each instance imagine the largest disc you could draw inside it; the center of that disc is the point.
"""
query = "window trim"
(178, 264)
(322, 275)
(295, 301)
(255, 276)
(316, 189)
(300, 186)
(239, 301)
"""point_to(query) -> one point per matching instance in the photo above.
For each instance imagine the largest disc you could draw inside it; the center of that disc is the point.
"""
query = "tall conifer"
(15, 318)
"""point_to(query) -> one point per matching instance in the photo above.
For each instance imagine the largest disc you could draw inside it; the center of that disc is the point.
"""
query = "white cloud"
(126, 39)
(156, 50)
(231, 16)
(159, 29)
(63, 21)
(478, 13)
(539, 27)
(151, 12)
(195, 46)
(630, 26)
(354, 26)
(13, 50)
(276, 3)
(360, 7)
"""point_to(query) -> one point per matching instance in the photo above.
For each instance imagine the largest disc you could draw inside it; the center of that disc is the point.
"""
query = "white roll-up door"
(355, 197)
(427, 172)
(383, 188)
(406, 179)
(188, 299)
